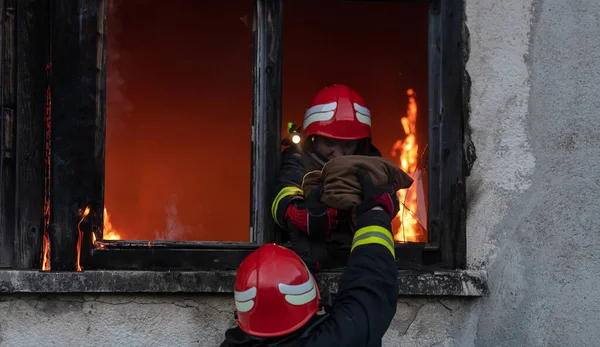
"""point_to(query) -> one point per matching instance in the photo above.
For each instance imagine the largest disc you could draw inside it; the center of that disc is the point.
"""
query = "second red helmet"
(275, 293)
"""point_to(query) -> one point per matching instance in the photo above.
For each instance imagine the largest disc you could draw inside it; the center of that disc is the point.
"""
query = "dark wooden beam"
(96, 222)
(76, 144)
(266, 134)
(434, 116)
(154, 258)
(7, 133)
(32, 84)
(450, 150)
(139, 244)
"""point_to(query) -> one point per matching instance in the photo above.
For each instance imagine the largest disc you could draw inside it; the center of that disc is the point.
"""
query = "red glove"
(311, 216)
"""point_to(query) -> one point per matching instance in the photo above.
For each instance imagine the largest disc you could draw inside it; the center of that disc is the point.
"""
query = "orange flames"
(80, 238)
(109, 233)
(46, 255)
(408, 152)
(46, 240)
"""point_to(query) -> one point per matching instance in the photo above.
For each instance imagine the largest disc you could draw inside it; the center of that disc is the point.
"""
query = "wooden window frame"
(65, 82)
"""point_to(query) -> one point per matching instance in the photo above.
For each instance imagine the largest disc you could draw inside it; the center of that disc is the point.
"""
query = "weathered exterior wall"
(534, 202)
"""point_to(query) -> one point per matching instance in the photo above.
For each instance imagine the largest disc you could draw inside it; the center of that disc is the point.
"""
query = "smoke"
(174, 230)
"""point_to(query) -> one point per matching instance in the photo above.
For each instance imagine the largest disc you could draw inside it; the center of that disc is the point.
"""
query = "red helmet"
(275, 293)
(338, 112)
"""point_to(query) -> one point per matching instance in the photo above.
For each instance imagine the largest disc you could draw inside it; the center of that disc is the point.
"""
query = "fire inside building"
(163, 131)
(179, 104)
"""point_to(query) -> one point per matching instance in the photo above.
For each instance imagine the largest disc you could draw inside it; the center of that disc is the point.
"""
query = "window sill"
(436, 283)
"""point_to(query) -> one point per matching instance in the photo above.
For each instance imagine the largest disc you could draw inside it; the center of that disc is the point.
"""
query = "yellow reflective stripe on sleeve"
(374, 234)
(284, 192)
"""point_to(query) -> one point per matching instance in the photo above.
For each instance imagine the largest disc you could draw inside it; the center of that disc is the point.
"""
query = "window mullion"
(76, 161)
(266, 129)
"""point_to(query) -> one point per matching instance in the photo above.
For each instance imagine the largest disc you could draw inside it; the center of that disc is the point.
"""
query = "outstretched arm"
(287, 185)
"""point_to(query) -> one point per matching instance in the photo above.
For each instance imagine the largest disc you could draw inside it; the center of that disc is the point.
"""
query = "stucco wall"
(534, 209)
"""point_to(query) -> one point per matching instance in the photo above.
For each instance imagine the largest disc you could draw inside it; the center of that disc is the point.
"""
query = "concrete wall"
(534, 209)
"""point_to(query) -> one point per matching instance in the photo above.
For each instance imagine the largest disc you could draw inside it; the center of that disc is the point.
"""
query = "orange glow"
(95, 243)
(83, 214)
(46, 238)
(109, 233)
(46, 255)
(178, 120)
(407, 152)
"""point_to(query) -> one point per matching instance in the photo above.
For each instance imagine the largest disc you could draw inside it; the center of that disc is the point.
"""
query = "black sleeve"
(368, 289)
(288, 184)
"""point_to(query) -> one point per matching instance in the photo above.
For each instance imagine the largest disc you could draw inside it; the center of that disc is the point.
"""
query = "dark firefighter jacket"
(366, 301)
(294, 165)
(317, 254)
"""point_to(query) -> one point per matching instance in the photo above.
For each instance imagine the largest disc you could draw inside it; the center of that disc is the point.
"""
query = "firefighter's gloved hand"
(311, 216)
(383, 196)
(321, 219)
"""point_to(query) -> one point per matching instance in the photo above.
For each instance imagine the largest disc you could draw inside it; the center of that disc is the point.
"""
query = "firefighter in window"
(337, 123)
(277, 298)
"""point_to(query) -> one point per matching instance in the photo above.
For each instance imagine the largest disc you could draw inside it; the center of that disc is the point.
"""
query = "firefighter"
(277, 298)
(336, 123)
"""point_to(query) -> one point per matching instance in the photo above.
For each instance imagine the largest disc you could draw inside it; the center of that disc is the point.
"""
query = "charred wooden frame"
(266, 122)
(447, 164)
(77, 159)
(447, 121)
(24, 85)
(68, 36)
(7, 134)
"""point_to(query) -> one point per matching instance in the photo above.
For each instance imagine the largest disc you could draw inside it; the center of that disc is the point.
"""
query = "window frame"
(76, 171)
(141, 255)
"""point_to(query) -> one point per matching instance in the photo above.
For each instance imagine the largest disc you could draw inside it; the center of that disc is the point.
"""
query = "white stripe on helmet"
(319, 113)
(244, 300)
(299, 294)
(362, 114)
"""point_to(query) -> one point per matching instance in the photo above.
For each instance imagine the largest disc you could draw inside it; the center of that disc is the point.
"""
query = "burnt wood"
(32, 83)
(96, 223)
(75, 169)
(447, 195)
(138, 244)
(164, 258)
(453, 188)
(156, 255)
(7, 133)
(266, 134)
(433, 112)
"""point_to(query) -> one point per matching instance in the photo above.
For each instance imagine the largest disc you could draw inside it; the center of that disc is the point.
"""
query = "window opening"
(178, 120)
(385, 59)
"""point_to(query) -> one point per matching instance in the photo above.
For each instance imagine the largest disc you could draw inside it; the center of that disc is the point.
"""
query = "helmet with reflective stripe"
(338, 112)
(275, 293)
